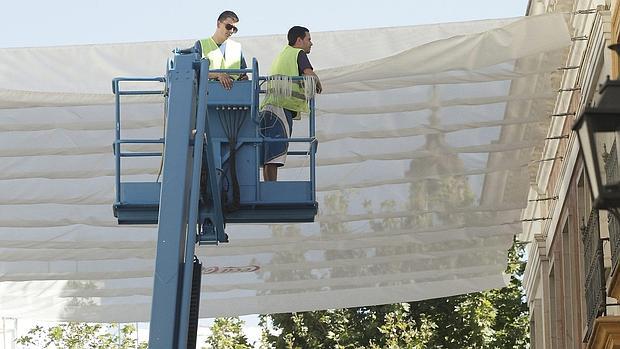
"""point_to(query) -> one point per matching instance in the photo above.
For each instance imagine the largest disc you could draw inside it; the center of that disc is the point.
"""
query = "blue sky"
(30, 23)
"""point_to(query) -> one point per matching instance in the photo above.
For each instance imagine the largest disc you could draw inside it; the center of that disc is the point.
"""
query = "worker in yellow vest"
(286, 98)
(223, 52)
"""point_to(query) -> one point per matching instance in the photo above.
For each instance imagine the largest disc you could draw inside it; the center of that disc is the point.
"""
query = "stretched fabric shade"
(427, 136)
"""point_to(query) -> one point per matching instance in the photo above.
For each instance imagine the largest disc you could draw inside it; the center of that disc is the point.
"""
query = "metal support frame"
(166, 327)
(179, 201)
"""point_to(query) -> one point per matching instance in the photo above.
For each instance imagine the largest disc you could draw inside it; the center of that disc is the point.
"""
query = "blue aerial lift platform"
(212, 150)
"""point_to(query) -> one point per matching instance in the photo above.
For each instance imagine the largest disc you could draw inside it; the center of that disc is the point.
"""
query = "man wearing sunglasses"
(223, 52)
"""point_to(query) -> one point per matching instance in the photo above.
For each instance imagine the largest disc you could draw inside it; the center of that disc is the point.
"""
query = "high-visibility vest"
(217, 60)
(285, 64)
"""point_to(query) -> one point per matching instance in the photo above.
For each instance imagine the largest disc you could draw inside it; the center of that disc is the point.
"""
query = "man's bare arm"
(310, 72)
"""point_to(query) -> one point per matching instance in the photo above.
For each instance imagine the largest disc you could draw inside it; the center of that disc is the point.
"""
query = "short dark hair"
(296, 32)
(228, 14)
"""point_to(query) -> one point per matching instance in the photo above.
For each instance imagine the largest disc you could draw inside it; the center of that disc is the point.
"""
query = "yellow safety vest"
(285, 64)
(217, 60)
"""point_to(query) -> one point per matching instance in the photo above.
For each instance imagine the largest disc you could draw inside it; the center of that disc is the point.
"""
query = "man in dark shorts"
(286, 99)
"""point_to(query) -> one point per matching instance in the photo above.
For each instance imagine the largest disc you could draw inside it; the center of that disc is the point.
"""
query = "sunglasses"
(231, 27)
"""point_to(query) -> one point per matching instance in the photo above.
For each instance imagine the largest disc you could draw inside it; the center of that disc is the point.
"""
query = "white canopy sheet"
(427, 136)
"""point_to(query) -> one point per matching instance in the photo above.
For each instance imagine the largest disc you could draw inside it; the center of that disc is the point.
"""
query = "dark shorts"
(275, 126)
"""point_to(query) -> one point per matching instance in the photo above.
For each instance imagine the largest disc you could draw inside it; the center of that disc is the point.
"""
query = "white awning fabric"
(427, 136)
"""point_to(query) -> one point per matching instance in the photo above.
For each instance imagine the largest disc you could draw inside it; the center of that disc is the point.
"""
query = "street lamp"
(598, 131)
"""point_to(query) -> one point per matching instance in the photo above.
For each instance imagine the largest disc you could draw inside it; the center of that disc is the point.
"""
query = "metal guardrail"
(595, 272)
(118, 141)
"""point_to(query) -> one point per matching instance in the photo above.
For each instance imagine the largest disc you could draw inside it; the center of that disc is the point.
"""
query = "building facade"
(571, 279)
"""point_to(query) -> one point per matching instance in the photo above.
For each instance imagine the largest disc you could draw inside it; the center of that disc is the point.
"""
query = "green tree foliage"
(227, 333)
(483, 320)
(80, 335)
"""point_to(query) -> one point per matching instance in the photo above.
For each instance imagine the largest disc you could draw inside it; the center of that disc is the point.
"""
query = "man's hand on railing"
(225, 80)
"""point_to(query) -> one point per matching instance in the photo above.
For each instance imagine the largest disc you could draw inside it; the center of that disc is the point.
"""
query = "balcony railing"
(595, 272)
(611, 174)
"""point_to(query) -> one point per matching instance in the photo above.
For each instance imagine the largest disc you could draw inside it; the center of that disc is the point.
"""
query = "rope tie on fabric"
(309, 87)
(281, 86)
